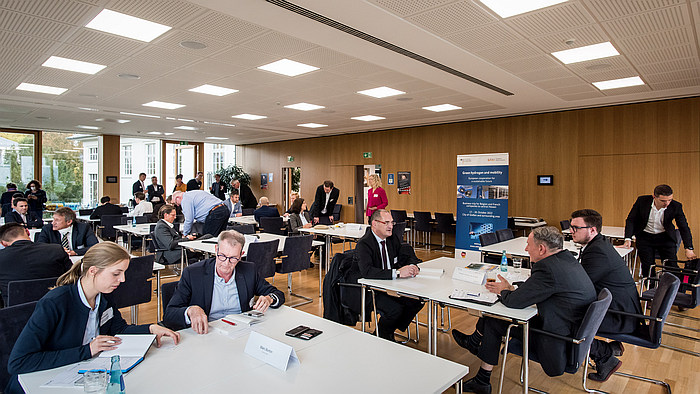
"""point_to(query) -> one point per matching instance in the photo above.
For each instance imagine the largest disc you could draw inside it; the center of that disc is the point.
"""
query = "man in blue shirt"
(203, 207)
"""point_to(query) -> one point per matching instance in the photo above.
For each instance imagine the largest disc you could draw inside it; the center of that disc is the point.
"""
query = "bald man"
(265, 210)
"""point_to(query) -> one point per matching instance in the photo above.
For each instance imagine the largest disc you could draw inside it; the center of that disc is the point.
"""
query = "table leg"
(431, 344)
(362, 298)
(159, 297)
(143, 245)
(320, 275)
(128, 243)
(526, 356)
(328, 250)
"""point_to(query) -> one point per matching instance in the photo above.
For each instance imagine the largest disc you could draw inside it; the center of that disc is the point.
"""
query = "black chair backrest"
(136, 288)
(422, 221)
(488, 239)
(36, 236)
(504, 234)
(296, 250)
(589, 326)
(272, 225)
(262, 254)
(108, 222)
(661, 304)
(30, 290)
(247, 211)
(511, 223)
(399, 229)
(565, 224)
(445, 222)
(399, 215)
(242, 228)
(12, 321)
(336, 212)
(125, 209)
(82, 212)
(167, 290)
(141, 219)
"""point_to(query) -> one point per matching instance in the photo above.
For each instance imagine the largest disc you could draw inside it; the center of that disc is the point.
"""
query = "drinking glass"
(517, 264)
(94, 381)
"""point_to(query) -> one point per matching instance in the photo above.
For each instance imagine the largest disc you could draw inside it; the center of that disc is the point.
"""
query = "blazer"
(320, 201)
(562, 290)
(155, 191)
(606, 269)
(82, 237)
(639, 216)
(234, 208)
(53, 335)
(295, 222)
(197, 286)
(38, 204)
(33, 220)
(168, 238)
(25, 259)
(219, 189)
(248, 199)
(267, 212)
(376, 198)
(369, 257)
(106, 209)
(137, 187)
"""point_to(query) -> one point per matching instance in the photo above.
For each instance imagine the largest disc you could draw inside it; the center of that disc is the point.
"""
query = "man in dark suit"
(75, 237)
(562, 291)
(166, 237)
(155, 192)
(248, 199)
(209, 291)
(21, 214)
(106, 208)
(324, 203)
(606, 269)
(23, 259)
(139, 185)
(217, 188)
(650, 221)
(380, 255)
(265, 210)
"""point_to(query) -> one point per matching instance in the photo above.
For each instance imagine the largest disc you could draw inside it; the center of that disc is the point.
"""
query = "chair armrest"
(678, 270)
(645, 317)
(557, 336)
(350, 284)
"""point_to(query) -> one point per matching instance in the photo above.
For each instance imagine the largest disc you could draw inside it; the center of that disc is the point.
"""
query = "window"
(92, 154)
(217, 157)
(151, 159)
(16, 159)
(126, 156)
(92, 197)
(63, 167)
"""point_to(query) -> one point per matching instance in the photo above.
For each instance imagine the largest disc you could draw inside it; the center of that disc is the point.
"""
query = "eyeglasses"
(231, 260)
(388, 222)
(576, 228)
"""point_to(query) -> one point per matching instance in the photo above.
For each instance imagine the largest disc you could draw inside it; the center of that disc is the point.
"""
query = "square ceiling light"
(304, 106)
(368, 118)
(73, 65)
(312, 125)
(127, 26)
(213, 90)
(163, 104)
(31, 87)
(288, 67)
(618, 83)
(249, 116)
(381, 92)
(442, 107)
(506, 8)
(589, 52)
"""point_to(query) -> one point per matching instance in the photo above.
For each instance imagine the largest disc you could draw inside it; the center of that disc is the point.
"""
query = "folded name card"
(353, 227)
(270, 351)
(469, 275)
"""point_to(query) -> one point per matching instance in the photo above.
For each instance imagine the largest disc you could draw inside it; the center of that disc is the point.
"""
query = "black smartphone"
(294, 332)
(310, 333)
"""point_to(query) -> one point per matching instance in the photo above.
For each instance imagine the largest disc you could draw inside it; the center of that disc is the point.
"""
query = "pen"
(474, 295)
(228, 322)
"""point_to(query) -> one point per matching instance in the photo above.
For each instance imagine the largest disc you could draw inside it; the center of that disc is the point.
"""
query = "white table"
(140, 230)
(516, 247)
(344, 231)
(340, 360)
(250, 219)
(437, 291)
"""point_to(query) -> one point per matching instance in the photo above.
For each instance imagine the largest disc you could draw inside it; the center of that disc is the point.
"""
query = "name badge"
(106, 315)
(270, 351)
(376, 195)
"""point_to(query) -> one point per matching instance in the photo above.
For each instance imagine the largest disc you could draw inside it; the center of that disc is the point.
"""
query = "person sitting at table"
(105, 208)
(77, 320)
(219, 286)
(233, 203)
(380, 255)
(166, 237)
(21, 214)
(204, 208)
(23, 259)
(300, 217)
(562, 291)
(75, 237)
(179, 185)
(292, 196)
(265, 210)
(607, 270)
(142, 206)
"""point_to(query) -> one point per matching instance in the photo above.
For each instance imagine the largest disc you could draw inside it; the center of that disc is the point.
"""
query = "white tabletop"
(208, 247)
(351, 230)
(250, 219)
(141, 230)
(214, 363)
(516, 247)
(87, 218)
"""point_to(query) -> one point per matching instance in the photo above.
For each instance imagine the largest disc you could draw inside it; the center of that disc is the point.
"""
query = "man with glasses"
(381, 255)
(219, 286)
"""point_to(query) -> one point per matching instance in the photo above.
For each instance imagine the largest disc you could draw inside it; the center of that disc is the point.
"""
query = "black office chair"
(85, 212)
(445, 225)
(400, 230)
(565, 224)
(142, 219)
(136, 288)
(272, 225)
(107, 223)
(649, 335)
(400, 216)
(504, 234)
(124, 209)
(263, 255)
(579, 346)
(12, 321)
(487, 239)
(247, 211)
(155, 249)
(242, 228)
(511, 223)
(295, 258)
(167, 290)
(423, 223)
(30, 290)
(336, 212)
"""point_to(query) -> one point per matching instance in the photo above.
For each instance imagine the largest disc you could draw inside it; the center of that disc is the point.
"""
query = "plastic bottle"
(504, 262)
(116, 380)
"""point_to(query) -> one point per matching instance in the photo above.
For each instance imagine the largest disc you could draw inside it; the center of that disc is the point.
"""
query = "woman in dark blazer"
(76, 320)
(299, 217)
(36, 198)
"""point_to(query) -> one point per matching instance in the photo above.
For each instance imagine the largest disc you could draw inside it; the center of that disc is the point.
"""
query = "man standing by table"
(324, 203)
(380, 255)
(562, 291)
(248, 199)
(204, 208)
(217, 188)
(219, 286)
(139, 185)
(75, 237)
(650, 221)
(155, 192)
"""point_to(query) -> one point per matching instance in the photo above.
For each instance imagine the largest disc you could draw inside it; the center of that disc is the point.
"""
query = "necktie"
(64, 241)
(385, 261)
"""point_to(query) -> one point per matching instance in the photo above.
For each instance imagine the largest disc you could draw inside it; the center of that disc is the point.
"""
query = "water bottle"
(133, 222)
(504, 262)
(116, 380)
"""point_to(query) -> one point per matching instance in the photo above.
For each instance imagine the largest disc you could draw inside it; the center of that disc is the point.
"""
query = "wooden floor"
(681, 371)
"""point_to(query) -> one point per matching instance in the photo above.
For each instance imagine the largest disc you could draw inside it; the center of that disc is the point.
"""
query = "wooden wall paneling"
(110, 155)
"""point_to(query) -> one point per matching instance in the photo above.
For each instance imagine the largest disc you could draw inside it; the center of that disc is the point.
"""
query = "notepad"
(246, 318)
(483, 296)
(133, 345)
(430, 273)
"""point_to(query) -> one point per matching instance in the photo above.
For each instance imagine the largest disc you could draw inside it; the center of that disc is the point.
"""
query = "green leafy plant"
(233, 172)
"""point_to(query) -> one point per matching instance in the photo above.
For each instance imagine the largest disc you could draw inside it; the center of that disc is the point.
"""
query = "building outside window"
(126, 160)
(216, 157)
(92, 155)
(92, 184)
(16, 159)
(151, 159)
(62, 169)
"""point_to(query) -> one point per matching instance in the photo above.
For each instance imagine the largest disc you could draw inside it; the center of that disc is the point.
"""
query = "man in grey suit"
(166, 237)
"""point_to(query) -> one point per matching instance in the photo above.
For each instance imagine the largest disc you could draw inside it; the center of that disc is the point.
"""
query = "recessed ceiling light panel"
(368, 118)
(506, 8)
(73, 65)
(312, 125)
(163, 104)
(31, 87)
(288, 67)
(589, 52)
(154, 133)
(249, 116)
(381, 92)
(304, 106)
(88, 127)
(442, 107)
(216, 138)
(142, 115)
(127, 26)
(185, 128)
(618, 83)
(213, 90)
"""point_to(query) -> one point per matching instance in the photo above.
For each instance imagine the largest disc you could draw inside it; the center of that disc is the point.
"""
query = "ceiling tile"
(548, 20)
(452, 18)
(246, 57)
(172, 41)
(101, 41)
(37, 27)
(582, 36)
(484, 37)
(606, 9)
(581, 96)
(648, 22)
(322, 57)
(680, 84)
(167, 12)
(509, 52)
(223, 27)
(408, 7)
(279, 44)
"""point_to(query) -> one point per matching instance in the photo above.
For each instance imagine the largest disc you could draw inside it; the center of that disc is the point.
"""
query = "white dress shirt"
(655, 222)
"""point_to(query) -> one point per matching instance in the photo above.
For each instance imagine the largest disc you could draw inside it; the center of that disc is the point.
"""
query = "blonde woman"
(74, 321)
(376, 196)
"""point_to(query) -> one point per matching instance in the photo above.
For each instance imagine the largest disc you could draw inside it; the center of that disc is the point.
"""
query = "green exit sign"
(184, 143)
(290, 159)
(367, 155)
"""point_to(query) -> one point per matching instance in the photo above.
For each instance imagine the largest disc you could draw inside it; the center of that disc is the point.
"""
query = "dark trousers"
(600, 351)
(493, 331)
(648, 245)
(324, 219)
(396, 313)
(216, 220)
